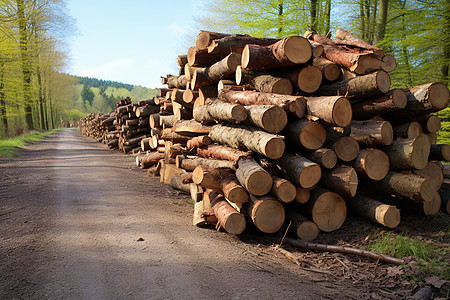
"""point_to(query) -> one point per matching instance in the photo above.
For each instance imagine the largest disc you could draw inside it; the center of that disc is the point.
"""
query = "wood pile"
(294, 131)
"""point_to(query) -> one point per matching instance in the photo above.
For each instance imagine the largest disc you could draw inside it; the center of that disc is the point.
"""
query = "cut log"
(342, 180)
(182, 60)
(327, 209)
(253, 177)
(222, 152)
(429, 122)
(236, 43)
(364, 86)
(284, 53)
(372, 133)
(153, 120)
(346, 147)
(326, 158)
(389, 102)
(388, 63)
(179, 82)
(347, 36)
(306, 78)
(228, 218)
(371, 163)
(300, 170)
(317, 49)
(294, 104)
(283, 189)
(446, 171)
(334, 110)
(374, 210)
(266, 213)
(433, 172)
(305, 229)
(432, 137)
(308, 134)
(199, 219)
(175, 182)
(189, 163)
(150, 159)
(239, 136)
(189, 96)
(302, 195)
(201, 58)
(427, 98)
(330, 70)
(198, 141)
(208, 91)
(440, 152)
(428, 208)
(168, 135)
(205, 38)
(222, 180)
(166, 121)
(145, 144)
(221, 69)
(263, 82)
(407, 130)
(147, 110)
(220, 110)
(190, 128)
(409, 186)
(271, 118)
(407, 154)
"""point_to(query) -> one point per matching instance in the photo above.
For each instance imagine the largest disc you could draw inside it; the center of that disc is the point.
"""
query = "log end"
(237, 194)
(238, 113)
(376, 164)
(329, 158)
(387, 133)
(302, 195)
(282, 86)
(346, 148)
(268, 215)
(432, 207)
(274, 119)
(297, 49)
(191, 55)
(388, 215)
(313, 136)
(188, 96)
(310, 176)
(233, 61)
(245, 59)
(439, 95)
(259, 183)
(383, 81)
(203, 40)
(309, 79)
(329, 211)
(399, 98)
(389, 63)
(421, 151)
(433, 123)
(332, 72)
(307, 231)
(274, 148)
(286, 192)
(427, 191)
(235, 224)
(342, 112)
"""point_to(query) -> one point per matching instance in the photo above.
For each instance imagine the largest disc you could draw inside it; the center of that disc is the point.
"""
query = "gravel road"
(78, 221)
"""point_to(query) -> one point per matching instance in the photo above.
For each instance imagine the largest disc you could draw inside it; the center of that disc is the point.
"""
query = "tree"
(87, 95)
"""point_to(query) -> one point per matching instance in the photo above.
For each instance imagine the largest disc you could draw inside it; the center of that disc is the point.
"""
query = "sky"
(133, 41)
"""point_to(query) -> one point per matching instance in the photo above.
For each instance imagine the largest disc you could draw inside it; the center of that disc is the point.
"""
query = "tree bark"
(408, 154)
(198, 141)
(440, 152)
(253, 177)
(266, 213)
(374, 210)
(386, 103)
(333, 110)
(372, 133)
(347, 38)
(178, 82)
(271, 118)
(407, 130)
(201, 58)
(284, 53)
(205, 38)
(144, 111)
(190, 128)
(263, 82)
(150, 159)
(240, 136)
(219, 110)
(222, 152)
(300, 170)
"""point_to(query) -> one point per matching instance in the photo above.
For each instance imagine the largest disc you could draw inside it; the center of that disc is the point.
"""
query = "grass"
(8, 146)
(432, 257)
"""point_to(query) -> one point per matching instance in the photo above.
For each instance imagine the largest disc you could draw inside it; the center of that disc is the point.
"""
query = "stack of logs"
(289, 131)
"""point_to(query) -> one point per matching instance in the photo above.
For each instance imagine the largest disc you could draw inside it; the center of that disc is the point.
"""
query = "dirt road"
(71, 215)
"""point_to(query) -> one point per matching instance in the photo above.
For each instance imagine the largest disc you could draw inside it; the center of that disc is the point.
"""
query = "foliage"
(87, 95)
(7, 146)
(72, 115)
(100, 83)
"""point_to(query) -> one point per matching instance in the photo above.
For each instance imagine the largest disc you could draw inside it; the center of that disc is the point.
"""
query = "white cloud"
(110, 69)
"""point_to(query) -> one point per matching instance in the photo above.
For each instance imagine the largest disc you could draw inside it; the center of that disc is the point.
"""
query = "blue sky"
(134, 41)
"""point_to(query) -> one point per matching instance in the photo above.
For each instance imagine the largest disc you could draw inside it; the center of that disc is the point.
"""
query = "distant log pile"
(297, 130)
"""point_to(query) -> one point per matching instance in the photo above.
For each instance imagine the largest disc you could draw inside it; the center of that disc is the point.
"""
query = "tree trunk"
(440, 152)
(374, 210)
(219, 70)
(239, 136)
(293, 104)
(342, 180)
(326, 158)
(333, 110)
(364, 86)
(410, 186)
(327, 209)
(189, 163)
(284, 53)
(308, 134)
(221, 180)
(266, 213)
(381, 21)
(222, 152)
(372, 133)
(166, 121)
(283, 189)
(408, 154)
(305, 229)
(3, 115)
(371, 163)
(300, 170)
(386, 103)
(330, 70)
(263, 82)
(271, 118)
(253, 177)
(228, 218)
(176, 183)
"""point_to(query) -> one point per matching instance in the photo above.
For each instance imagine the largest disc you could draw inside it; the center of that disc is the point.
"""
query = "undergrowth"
(8, 146)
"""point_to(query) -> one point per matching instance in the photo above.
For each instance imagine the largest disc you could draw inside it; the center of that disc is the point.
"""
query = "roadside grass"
(8, 146)
(432, 256)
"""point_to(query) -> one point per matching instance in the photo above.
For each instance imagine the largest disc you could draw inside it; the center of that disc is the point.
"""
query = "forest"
(36, 92)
